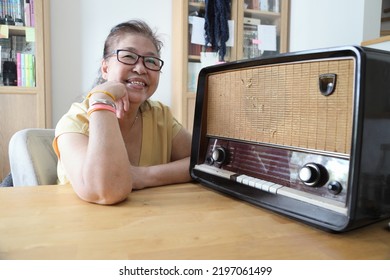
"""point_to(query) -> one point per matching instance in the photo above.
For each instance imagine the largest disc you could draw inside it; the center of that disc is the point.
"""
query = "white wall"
(320, 24)
(78, 31)
(79, 27)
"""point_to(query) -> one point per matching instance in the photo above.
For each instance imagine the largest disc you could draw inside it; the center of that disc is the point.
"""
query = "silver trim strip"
(276, 189)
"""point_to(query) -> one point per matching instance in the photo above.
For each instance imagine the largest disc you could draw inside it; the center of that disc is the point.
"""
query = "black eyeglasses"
(131, 58)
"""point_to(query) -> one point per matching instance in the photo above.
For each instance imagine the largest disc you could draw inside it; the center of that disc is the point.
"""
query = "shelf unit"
(241, 14)
(385, 18)
(26, 107)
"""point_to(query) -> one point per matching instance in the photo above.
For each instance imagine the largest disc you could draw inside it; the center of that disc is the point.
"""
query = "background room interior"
(78, 29)
(302, 136)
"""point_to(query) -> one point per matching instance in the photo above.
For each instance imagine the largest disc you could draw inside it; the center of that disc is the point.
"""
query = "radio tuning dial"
(312, 174)
(219, 155)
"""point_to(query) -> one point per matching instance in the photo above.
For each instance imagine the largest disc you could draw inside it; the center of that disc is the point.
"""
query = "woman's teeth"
(136, 83)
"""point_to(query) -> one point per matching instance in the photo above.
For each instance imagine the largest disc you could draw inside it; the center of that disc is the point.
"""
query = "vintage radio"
(305, 134)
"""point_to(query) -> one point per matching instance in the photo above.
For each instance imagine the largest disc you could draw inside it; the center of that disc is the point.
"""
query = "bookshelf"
(250, 20)
(385, 18)
(29, 104)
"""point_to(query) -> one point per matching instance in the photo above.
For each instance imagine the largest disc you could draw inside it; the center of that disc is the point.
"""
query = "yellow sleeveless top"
(158, 130)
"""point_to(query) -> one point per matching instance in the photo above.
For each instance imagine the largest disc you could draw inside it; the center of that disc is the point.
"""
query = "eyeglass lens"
(130, 58)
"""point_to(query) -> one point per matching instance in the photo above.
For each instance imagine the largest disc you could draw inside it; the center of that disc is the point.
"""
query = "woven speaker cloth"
(282, 104)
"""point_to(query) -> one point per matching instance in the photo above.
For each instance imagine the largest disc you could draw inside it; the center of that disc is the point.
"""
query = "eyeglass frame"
(116, 52)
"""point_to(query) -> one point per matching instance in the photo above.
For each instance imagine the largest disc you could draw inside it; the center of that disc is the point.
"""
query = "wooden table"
(185, 221)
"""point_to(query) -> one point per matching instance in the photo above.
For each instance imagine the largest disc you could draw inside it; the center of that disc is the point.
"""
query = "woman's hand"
(162, 174)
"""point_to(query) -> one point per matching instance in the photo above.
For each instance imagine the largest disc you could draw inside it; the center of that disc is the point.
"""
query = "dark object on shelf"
(9, 73)
(19, 22)
(216, 25)
(7, 20)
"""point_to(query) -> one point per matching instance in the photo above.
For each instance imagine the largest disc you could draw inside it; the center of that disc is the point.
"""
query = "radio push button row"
(258, 183)
(219, 155)
(312, 174)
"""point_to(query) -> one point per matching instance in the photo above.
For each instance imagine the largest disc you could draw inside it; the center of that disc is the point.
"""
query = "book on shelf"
(18, 69)
(193, 73)
(17, 12)
(253, 4)
(263, 5)
(32, 13)
(195, 49)
(25, 69)
(29, 13)
(17, 53)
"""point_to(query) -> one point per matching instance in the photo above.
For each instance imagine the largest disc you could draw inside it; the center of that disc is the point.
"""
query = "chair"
(32, 158)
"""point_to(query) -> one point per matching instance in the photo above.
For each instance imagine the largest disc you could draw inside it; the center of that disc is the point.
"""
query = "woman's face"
(140, 81)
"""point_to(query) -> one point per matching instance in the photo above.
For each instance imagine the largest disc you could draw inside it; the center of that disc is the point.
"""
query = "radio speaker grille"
(282, 104)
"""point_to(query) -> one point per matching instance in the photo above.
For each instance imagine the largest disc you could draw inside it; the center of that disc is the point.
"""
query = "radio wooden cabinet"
(305, 135)
(257, 28)
(25, 105)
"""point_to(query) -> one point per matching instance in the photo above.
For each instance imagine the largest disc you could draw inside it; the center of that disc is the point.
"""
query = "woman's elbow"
(105, 195)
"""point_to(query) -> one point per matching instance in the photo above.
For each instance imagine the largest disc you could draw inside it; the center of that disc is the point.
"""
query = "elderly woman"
(117, 139)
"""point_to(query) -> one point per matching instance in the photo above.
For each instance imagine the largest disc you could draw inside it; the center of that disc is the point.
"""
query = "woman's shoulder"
(79, 107)
(75, 119)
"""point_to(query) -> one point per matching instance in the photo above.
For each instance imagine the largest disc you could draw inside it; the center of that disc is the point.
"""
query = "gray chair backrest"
(32, 158)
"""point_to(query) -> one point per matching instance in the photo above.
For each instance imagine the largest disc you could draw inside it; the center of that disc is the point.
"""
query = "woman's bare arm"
(177, 171)
(97, 166)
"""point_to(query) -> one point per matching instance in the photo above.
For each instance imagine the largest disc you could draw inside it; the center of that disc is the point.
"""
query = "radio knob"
(219, 155)
(335, 187)
(311, 174)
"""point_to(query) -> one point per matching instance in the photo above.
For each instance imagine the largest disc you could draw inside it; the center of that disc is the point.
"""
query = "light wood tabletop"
(184, 221)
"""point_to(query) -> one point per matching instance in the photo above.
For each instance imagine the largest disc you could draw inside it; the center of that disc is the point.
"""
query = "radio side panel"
(371, 200)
